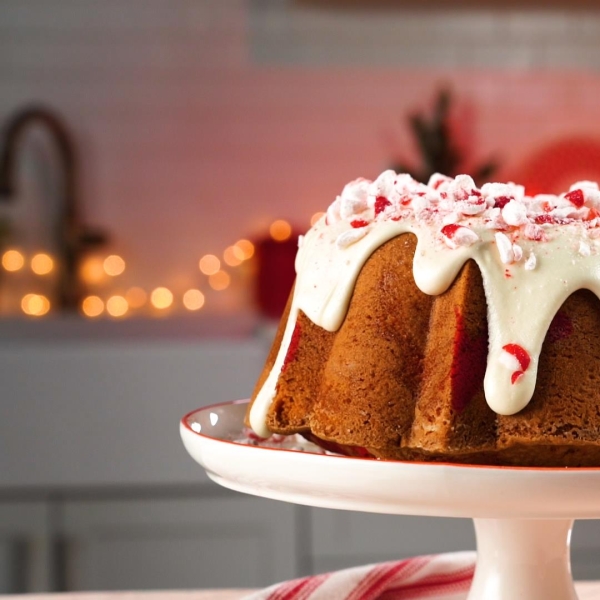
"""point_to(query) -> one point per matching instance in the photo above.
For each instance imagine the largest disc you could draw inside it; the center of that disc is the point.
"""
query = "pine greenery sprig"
(437, 149)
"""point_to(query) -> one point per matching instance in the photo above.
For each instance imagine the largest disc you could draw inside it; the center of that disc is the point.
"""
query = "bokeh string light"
(193, 299)
(161, 298)
(13, 260)
(219, 281)
(113, 265)
(209, 264)
(42, 264)
(92, 306)
(280, 230)
(117, 306)
(136, 297)
(99, 272)
(35, 305)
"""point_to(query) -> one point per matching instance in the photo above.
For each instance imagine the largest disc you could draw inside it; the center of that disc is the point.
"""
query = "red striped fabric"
(436, 576)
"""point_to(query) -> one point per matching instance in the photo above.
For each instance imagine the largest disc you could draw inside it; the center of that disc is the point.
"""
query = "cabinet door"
(585, 550)
(343, 539)
(24, 547)
(231, 540)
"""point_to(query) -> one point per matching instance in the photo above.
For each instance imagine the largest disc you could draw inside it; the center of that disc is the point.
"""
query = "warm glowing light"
(42, 264)
(280, 230)
(238, 251)
(233, 256)
(35, 305)
(113, 265)
(246, 247)
(92, 270)
(161, 298)
(209, 264)
(92, 306)
(117, 306)
(193, 299)
(219, 281)
(12, 260)
(316, 217)
(136, 297)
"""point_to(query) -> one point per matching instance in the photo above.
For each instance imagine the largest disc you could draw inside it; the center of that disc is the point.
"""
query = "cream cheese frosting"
(533, 253)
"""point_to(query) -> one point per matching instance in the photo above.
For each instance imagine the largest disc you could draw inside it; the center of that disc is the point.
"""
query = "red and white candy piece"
(531, 262)
(584, 249)
(333, 212)
(462, 187)
(515, 358)
(514, 213)
(517, 252)
(351, 236)
(533, 231)
(576, 197)
(590, 191)
(437, 180)
(505, 248)
(456, 235)
(353, 199)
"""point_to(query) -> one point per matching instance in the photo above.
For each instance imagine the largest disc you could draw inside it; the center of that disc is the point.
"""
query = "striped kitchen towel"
(436, 577)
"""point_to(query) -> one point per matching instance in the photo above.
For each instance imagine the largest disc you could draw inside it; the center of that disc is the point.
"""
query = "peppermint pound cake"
(443, 322)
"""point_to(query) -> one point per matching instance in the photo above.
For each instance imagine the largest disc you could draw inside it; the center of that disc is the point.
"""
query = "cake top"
(533, 252)
(456, 205)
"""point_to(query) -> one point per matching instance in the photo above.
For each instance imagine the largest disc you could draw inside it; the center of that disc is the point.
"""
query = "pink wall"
(189, 144)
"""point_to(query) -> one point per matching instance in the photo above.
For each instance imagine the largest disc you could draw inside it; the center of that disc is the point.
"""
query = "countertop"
(587, 590)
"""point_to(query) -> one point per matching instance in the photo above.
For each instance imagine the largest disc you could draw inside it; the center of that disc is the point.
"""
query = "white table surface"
(236, 594)
(586, 590)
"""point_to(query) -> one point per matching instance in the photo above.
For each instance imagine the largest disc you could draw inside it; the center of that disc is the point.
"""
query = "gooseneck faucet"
(72, 238)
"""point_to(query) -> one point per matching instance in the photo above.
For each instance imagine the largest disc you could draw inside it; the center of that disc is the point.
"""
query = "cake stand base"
(519, 558)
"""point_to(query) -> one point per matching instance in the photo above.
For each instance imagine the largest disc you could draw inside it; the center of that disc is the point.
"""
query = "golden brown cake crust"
(403, 376)
(373, 373)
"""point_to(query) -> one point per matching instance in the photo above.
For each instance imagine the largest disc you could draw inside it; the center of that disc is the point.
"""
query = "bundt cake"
(443, 322)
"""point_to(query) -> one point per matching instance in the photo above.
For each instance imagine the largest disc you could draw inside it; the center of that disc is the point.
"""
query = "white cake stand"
(523, 516)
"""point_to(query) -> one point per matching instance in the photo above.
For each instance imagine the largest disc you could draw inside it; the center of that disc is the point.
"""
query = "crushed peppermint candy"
(517, 252)
(351, 236)
(584, 249)
(294, 442)
(461, 212)
(576, 197)
(458, 235)
(531, 262)
(514, 213)
(505, 248)
(517, 359)
(354, 196)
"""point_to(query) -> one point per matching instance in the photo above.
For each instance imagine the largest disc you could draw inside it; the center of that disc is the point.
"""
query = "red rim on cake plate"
(523, 516)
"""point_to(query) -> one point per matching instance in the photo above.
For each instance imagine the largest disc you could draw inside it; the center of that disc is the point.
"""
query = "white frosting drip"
(523, 295)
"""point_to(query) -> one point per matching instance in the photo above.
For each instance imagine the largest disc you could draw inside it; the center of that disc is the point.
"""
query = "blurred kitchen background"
(158, 159)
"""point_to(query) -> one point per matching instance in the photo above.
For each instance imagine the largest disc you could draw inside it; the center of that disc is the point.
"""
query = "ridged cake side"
(444, 322)
(373, 373)
(403, 376)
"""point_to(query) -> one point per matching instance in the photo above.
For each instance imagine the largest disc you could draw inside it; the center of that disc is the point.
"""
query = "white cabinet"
(114, 405)
(227, 540)
(585, 550)
(25, 545)
(102, 414)
(343, 539)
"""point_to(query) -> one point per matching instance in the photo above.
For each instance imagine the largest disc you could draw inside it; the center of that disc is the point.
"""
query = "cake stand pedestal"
(519, 558)
(523, 516)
